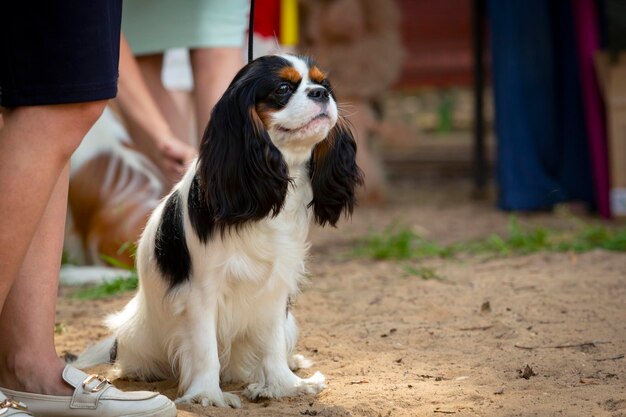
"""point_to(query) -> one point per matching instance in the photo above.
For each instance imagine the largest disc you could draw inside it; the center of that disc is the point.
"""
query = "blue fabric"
(542, 156)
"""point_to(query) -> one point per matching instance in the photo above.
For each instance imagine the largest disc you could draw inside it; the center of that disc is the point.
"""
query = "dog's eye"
(283, 89)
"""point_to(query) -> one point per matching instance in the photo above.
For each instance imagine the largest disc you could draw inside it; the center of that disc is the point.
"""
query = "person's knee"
(62, 126)
(86, 114)
(78, 119)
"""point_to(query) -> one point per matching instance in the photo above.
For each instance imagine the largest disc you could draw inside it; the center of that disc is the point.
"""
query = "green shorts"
(154, 26)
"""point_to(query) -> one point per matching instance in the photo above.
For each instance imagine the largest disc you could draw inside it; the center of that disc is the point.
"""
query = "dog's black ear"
(334, 175)
(243, 176)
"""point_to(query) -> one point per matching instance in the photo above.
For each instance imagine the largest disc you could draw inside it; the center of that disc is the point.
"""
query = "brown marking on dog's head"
(316, 75)
(291, 74)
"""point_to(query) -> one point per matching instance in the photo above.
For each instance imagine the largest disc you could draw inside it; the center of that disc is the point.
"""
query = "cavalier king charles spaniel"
(224, 252)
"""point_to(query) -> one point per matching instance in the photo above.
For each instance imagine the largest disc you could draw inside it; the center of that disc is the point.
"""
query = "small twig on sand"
(577, 345)
(362, 381)
(477, 328)
(444, 412)
(614, 358)
(586, 344)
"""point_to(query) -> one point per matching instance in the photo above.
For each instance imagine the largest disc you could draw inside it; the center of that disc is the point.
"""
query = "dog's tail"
(104, 351)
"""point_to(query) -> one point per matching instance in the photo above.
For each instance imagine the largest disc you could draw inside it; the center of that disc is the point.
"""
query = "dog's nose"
(319, 94)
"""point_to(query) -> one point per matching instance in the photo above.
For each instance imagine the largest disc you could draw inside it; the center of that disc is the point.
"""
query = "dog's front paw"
(298, 386)
(206, 399)
(312, 385)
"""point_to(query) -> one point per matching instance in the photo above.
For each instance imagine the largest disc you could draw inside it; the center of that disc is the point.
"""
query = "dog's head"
(278, 113)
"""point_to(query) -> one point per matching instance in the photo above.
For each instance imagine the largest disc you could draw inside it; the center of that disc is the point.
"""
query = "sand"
(394, 344)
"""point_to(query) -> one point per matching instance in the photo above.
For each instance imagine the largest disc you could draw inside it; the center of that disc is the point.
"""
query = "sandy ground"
(392, 344)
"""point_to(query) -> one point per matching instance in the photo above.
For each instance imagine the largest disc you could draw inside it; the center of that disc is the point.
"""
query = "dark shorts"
(58, 51)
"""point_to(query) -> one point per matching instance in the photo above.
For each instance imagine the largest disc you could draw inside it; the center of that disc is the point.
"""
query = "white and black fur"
(224, 252)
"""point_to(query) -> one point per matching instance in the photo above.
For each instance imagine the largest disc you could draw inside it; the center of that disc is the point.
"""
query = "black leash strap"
(250, 31)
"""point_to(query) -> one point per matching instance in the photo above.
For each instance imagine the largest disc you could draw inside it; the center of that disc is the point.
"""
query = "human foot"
(43, 377)
(94, 396)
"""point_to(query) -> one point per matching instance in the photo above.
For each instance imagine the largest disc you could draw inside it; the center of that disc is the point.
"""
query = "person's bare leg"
(151, 67)
(35, 146)
(31, 359)
(213, 70)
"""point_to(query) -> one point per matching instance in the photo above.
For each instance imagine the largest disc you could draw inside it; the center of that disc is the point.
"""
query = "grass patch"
(109, 288)
(423, 272)
(596, 237)
(128, 248)
(115, 286)
(59, 328)
(518, 241)
(400, 243)
(67, 259)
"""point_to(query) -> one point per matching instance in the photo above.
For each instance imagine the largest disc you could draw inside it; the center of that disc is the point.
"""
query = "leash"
(250, 31)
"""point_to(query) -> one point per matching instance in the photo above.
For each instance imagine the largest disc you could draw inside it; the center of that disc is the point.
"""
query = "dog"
(223, 254)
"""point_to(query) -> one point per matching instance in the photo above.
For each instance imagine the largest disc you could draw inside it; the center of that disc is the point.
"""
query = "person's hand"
(173, 158)
(147, 128)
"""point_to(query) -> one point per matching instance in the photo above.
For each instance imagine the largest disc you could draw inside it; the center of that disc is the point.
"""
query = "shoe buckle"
(12, 404)
(93, 377)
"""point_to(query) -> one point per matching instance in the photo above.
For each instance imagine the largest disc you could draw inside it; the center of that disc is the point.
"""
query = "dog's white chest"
(269, 251)
(262, 267)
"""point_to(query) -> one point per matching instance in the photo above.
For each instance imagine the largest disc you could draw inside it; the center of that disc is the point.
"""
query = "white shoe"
(12, 408)
(94, 396)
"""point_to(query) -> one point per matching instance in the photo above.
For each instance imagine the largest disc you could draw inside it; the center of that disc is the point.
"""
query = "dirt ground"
(393, 344)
